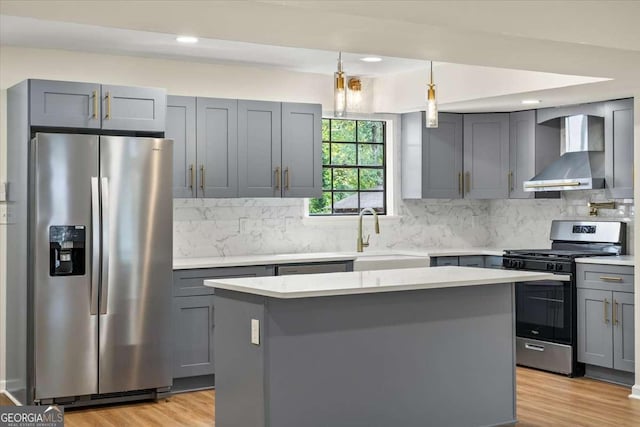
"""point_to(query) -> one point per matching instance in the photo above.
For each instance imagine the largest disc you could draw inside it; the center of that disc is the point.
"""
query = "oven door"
(544, 310)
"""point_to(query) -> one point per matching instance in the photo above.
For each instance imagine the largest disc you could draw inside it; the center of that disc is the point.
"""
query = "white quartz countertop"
(365, 282)
(608, 260)
(237, 261)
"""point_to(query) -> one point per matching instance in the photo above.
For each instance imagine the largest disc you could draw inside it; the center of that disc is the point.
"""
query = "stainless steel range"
(546, 310)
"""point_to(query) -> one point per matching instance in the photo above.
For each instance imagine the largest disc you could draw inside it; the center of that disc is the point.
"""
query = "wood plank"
(543, 400)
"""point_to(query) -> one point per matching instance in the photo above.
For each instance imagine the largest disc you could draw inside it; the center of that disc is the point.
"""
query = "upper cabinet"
(486, 156)
(301, 150)
(239, 148)
(432, 158)
(618, 152)
(95, 106)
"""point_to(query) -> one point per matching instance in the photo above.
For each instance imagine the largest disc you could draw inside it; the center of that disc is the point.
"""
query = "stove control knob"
(520, 264)
(559, 267)
(550, 266)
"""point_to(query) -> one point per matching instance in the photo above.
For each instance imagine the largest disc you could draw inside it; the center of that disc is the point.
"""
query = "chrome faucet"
(361, 243)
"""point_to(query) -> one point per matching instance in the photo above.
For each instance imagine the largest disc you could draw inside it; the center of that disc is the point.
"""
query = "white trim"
(635, 392)
(11, 398)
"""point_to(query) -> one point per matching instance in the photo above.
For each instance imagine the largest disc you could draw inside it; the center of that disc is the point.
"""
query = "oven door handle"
(562, 277)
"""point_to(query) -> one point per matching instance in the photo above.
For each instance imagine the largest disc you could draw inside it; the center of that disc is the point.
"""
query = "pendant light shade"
(339, 91)
(431, 114)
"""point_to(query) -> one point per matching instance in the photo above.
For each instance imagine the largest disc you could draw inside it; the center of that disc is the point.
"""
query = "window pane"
(345, 203)
(345, 179)
(321, 205)
(325, 129)
(343, 130)
(343, 154)
(325, 153)
(326, 179)
(373, 200)
(370, 131)
(370, 155)
(371, 179)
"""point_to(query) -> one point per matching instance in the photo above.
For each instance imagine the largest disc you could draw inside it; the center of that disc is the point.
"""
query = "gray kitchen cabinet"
(618, 153)
(605, 316)
(595, 340)
(301, 150)
(95, 106)
(623, 331)
(314, 268)
(259, 149)
(491, 261)
(181, 127)
(432, 158)
(486, 156)
(193, 336)
(133, 108)
(444, 260)
(471, 261)
(217, 147)
(65, 104)
(190, 282)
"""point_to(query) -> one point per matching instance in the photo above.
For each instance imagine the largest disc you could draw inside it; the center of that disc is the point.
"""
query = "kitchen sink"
(366, 262)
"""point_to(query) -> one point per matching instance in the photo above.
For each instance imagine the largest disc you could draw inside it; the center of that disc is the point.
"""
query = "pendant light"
(339, 91)
(431, 115)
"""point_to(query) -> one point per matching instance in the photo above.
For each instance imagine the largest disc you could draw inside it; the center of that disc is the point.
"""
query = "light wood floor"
(543, 400)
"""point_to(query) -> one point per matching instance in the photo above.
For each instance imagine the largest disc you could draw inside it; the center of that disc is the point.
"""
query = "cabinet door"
(181, 127)
(217, 147)
(595, 338)
(522, 144)
(301, 150)
(64, 104)
(486, 155)
(623, 339)
(471, 261)
(141, 109)
(618, 152)
(442, 158)
(259, 149)
(193, 336)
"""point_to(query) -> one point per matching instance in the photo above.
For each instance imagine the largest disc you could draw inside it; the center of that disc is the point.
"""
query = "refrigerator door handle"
(104, 288)
(95, 245)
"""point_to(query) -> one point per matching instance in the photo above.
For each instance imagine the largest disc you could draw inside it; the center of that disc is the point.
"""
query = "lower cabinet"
(605, 319)
(193, 336)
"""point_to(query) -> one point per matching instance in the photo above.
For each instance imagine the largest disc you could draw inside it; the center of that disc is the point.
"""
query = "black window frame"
(357, 167)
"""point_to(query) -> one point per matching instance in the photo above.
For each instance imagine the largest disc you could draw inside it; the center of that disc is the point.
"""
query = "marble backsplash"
(226, 227)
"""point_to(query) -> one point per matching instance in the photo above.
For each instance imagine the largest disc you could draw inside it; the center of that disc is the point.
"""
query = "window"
(353, 172)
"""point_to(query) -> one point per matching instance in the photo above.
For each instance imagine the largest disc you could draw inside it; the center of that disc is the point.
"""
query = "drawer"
(606, 277)
(189, 282)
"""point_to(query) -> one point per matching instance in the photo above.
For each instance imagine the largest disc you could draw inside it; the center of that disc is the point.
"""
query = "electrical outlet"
(4, 214)
(255, 331)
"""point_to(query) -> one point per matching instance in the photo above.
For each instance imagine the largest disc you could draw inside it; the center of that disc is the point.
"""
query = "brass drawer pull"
(202, 177)
(286, 179)
(191, 177)
(611, 278)
(606, 309)
(510, 180)
(278, 178)
(95, 105)
(468, 183)
(615, 312)
(460, 189)
(108, 115)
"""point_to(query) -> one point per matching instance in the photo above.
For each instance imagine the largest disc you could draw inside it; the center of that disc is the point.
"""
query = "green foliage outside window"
(353, 157)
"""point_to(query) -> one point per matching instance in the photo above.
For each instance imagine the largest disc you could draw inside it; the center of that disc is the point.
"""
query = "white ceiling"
(580, 38)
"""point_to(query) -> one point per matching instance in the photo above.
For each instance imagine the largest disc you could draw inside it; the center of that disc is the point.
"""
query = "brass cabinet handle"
(614, 314)
(277, 173)
(510, 180)
(191, 177)
(468, 183)
(606, 309)
(108, 114)
(95, 105)
(557, 184)
(611, 278)
(286, 179)
(202, 177)
(460, 189)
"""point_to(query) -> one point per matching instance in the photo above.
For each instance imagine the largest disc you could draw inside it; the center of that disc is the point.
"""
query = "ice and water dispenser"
(67, 245)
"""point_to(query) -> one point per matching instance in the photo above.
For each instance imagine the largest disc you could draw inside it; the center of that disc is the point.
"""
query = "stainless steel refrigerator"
(100, 230)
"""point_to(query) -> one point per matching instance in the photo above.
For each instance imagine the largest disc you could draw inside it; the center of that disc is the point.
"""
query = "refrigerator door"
(64, 271)
(135, 297)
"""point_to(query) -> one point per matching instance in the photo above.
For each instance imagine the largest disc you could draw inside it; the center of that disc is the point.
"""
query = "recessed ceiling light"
(371, 59)
(530, 101)
(187, 39)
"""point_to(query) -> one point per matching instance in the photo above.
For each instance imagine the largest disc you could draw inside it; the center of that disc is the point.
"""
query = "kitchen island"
(410, 347)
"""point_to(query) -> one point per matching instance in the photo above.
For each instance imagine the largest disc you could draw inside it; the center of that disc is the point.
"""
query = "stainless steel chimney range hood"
(581, 164)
